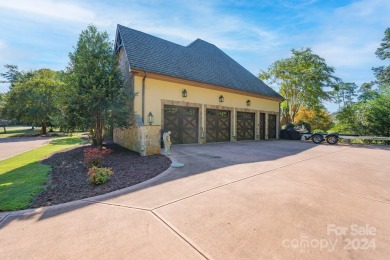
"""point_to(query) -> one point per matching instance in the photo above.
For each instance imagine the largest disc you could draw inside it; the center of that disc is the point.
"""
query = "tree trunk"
(43, 125)
(5, 130)
(99, 130)
(93, 136)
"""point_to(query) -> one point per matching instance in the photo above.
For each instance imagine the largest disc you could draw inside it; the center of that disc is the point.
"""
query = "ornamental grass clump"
(93, 158)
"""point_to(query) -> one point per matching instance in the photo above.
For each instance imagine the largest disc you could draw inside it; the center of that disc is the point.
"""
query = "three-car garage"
(184, 124)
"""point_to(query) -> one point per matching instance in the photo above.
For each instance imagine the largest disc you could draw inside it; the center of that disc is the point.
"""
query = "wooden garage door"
(217, 125)
(262, 126)
(271, 126)
(182, 122)
(245, 126)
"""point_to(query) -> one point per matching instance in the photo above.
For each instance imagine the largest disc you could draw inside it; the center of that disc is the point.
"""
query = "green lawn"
(22, 177)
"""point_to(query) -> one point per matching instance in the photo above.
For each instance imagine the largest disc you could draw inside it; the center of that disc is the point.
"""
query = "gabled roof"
(200, 61)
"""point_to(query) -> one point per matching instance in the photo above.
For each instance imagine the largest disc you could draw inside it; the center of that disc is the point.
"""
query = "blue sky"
(40, 34)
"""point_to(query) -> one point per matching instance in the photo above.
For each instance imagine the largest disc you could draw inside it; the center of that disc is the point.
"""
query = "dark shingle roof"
(199, 61)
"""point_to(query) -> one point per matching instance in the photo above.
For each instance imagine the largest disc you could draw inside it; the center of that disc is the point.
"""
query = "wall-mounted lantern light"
(221, 99)
(248, 102)
(184, 93)
(150, 118)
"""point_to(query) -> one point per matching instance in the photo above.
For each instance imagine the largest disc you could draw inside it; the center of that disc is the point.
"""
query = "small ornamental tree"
(96, 95)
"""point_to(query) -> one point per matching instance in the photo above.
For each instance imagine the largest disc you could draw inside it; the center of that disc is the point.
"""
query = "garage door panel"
(271, 126)
(245, 126)
(262, 126)
(217, 125)
(182, 122)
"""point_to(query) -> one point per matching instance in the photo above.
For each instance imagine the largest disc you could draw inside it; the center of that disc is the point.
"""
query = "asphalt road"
(12, 146)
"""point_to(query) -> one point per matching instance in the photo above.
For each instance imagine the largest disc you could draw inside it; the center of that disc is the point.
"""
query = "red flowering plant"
(95, 156)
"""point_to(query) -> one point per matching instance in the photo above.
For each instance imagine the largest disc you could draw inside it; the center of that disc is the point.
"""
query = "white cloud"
(371, 10)
(225, 31)
(296, 4)
(349, 36)
(2, 45)
(338, 53)
(51, 9)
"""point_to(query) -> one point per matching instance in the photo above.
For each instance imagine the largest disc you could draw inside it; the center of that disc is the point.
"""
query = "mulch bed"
(68, 180)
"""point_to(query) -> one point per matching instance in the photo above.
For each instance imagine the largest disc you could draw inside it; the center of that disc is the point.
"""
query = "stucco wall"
(157, 90)
(160, 92)
(142, 139)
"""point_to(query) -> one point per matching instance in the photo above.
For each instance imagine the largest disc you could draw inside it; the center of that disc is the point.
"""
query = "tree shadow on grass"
(19, 186)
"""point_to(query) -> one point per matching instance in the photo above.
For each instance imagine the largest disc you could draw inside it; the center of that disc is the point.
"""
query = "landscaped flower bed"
(68, 180)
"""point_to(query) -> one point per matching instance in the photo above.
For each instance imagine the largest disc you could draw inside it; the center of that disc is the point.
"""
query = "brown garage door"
(217, 125)
(182, 122)
(271, 126)
(245, 126)
(262, 126)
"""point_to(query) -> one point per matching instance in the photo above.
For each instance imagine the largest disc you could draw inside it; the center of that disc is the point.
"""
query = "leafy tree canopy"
(96, 96)
(383, 52)
(34, 99)
(303, 80)
(13, 75)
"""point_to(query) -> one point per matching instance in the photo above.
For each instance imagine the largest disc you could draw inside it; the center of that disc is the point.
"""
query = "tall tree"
(303, 79)
(367, 92)
(345, 93)
(378, 115)
(97, 95)
(382, 73)
(12, 75)
(33, 99)
(3, 122)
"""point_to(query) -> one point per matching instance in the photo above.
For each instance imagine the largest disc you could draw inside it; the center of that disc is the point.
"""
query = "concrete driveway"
(12, 146)
(247, 200)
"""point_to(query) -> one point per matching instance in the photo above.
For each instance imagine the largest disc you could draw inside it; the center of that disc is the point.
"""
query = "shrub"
(99, 175)
(319, 131)
(94, 156)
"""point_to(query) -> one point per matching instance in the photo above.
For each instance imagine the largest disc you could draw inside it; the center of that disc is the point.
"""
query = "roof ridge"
(149, 35)
(201, 41)
(199, 61)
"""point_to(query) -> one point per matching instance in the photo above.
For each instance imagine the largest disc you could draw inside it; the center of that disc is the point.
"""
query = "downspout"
(279, 118)
(143, 98)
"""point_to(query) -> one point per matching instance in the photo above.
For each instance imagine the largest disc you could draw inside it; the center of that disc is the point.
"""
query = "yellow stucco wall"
(157, 90)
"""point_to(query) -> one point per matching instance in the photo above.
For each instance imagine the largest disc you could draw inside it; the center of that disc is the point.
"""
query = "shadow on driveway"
(198, 159)
(201, 159)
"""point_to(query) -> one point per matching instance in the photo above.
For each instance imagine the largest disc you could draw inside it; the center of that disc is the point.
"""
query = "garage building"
(197, 92)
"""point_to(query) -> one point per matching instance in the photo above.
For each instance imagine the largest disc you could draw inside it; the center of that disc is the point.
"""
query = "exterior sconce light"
(184, 93)
(150, 118)
(221, 99)
(248, 102)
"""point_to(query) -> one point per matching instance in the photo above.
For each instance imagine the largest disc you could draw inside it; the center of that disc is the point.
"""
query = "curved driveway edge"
(274, 199)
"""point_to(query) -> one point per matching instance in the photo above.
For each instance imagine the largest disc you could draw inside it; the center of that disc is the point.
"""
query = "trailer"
(333, 138)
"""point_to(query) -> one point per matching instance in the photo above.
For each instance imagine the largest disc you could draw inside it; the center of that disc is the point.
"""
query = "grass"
(22, 177)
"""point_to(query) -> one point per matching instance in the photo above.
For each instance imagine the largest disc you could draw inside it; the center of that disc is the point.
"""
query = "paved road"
(12, 146)
(249, 200)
